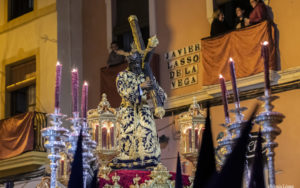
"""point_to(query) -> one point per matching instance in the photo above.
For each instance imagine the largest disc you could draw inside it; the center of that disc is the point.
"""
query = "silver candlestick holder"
(232, 134)
(55, 142)
(235, 128)
(73, 136)
(268, 120)
(224, 145)
(88, 147)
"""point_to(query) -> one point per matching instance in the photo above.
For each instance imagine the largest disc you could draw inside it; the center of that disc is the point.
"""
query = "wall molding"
(26, 18)
(244, 85)
(22, 163)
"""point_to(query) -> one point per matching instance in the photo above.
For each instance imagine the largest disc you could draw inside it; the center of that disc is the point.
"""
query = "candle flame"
(58, 64)
(74, 70)
(85, 83)
(230, 59)
(220, 76)
(265, 43)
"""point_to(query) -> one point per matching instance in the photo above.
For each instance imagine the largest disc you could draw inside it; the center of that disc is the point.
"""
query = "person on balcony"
(258, 14)
(240, 18)
(116, 55)
(218, 25)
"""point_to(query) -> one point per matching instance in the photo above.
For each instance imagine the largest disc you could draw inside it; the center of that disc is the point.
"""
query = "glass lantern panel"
(96, 134)
(189, 140)
(112, 137)
(196, 139)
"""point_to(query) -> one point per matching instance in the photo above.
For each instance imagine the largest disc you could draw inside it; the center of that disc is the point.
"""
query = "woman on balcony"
(218, 25)
(240, 18)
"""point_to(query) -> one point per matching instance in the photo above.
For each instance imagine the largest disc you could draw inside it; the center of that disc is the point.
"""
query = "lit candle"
(57, 85)
(84, 100)
(111, 132)
(75, 86)
(224, 97)
(233, 81)
(265, 55)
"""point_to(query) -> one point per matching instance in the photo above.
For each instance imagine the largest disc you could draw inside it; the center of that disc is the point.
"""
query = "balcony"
(21, 145)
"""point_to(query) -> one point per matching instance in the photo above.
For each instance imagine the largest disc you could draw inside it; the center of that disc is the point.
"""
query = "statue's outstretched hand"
(153, 42)
(159, 112)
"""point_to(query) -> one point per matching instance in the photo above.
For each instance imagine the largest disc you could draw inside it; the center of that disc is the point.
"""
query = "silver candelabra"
(233, 132)
(88, 146)
(73, 136)
(269, 119)
(55, 142)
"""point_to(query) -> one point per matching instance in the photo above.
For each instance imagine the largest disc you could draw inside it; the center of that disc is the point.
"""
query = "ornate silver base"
(268, 120)
(55, 136)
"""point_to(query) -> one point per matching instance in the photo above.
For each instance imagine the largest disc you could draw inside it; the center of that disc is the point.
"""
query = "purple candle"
(57, 85)
(233, 82)
(265, 55)
(84, 99)
(75, 86)
(112, 136)
(190, 139)
(104, 138)
(224, 97)
(196, 139)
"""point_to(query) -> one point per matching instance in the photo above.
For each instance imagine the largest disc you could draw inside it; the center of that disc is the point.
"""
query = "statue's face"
(135, 63)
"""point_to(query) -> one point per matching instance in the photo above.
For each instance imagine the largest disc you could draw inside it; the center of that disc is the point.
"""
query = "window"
(121, 10)
(17, 8)
(20, 87)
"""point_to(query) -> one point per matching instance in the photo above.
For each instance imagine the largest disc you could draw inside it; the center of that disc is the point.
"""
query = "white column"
(152, 18)
(209, 10)
(108, 22)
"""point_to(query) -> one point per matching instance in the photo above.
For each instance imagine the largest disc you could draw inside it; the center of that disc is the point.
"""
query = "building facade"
(79, 33)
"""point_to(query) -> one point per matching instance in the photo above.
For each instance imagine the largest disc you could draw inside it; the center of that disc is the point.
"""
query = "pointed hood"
(206, 165)
(232, 172)
(257, 174)
(178, 180)
(76, 176)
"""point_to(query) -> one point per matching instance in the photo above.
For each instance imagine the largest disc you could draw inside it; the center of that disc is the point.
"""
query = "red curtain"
(244, 46)
(16, 135)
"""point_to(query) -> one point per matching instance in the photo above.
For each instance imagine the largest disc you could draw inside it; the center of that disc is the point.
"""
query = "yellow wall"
(22, 38)
(179, 24)
(286, 16)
